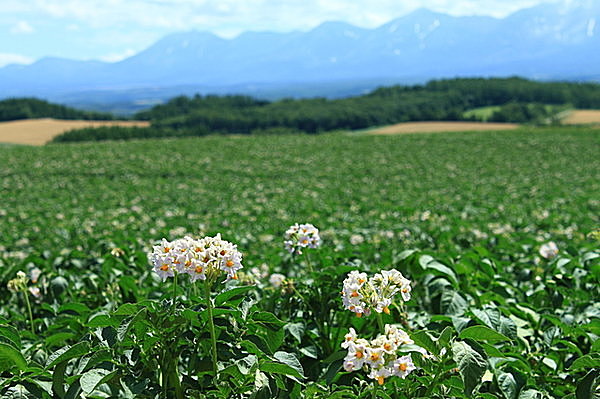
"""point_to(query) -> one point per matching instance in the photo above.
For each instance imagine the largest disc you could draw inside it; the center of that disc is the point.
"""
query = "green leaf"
(585, 362)
(508, 385)
(227, 295)
(445, 337)
(280, 368)
(296, 329)
(530, 394)
(58, 338)
(11, 357)
(12, 335)
(291, 360)
(441, 270)
(67, 353)
(471, 365)
(92, 378)
(587, 385)
(126, 309)
(482, 333)
(453, 304)
(268, 319)
(423, 339)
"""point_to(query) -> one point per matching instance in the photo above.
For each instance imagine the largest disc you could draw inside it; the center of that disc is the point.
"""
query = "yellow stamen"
(402, 366)
(380, 380)
(386, 310)
(164, 268)
(229, 263)
(199, 269)
(359, 354)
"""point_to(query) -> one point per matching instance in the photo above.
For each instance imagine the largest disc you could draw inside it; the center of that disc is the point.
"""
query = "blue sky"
(111, 30)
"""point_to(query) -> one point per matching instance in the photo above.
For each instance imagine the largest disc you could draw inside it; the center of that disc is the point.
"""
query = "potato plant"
(441, 265)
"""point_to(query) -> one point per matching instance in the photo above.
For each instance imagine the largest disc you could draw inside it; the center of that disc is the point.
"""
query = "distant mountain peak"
(551, 40)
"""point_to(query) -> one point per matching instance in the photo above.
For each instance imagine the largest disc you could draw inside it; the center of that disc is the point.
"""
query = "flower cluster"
(301, 236)
(361, 294)
(19, 283)
(549, 250)
(206, 257)
(379, 356)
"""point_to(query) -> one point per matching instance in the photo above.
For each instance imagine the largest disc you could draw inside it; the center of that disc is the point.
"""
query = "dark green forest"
(519, 100)
(31, 108)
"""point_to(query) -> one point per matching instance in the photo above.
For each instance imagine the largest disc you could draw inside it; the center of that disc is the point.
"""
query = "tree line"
(33, 108)
(440, 100)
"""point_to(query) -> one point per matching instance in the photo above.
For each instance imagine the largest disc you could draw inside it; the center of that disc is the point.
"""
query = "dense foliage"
(466, 217)
(447, 100)
(30, 108)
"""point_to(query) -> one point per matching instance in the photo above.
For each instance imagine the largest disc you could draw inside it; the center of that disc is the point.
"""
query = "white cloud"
(116, 57)
(7, 58)
(22, 28)
(233, 16)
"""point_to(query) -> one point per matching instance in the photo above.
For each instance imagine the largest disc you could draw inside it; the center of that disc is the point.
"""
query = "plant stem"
(26, 295)
(380, 323)
(434, 382)
(308, 262)
(374, 392)
(174, 292)
(211, 325)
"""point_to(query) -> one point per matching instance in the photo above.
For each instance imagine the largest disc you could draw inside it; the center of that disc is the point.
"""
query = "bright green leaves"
(471, 365)
(67, 353)
(482, 333)
(11, 358)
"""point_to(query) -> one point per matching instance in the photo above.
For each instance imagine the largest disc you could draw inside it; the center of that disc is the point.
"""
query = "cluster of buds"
(549, 250)
(18, 284)
(381, 356)
(205, 258)
(361, 295)
(301, 236)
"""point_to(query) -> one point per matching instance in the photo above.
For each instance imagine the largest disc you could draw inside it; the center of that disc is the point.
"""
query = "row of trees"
(521, 100)
(30, 108)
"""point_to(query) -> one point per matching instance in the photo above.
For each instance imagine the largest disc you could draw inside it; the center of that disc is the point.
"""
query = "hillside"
(32, 108)
(517, 100)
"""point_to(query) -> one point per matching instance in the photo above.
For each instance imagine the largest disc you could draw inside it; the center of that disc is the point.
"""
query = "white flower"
(301, 236)
(549, 250)
(350, 338)
(361, 295)
(356, 239)
(197, 258)
(379, 356)
(34, 274)
(276, 280)
(356, 356)
(380, 374)
(403, 366)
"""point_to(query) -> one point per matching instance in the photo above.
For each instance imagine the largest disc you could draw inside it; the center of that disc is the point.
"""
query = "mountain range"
(548, 42)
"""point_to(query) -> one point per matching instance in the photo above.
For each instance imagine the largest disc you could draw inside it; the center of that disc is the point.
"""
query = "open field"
(582, 117)
(433, 127)
(493, 310)
(40, 131)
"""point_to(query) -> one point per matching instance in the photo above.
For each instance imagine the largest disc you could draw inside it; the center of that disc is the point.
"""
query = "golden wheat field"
(40, 131)
(582, 117)
(430, 127)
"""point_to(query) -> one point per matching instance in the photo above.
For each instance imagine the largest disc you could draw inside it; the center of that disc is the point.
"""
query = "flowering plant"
(380, 356)
(301, 236)
(361, 295)
(206, 257)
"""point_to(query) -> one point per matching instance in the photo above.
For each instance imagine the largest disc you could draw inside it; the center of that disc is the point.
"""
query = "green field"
(462, 215)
